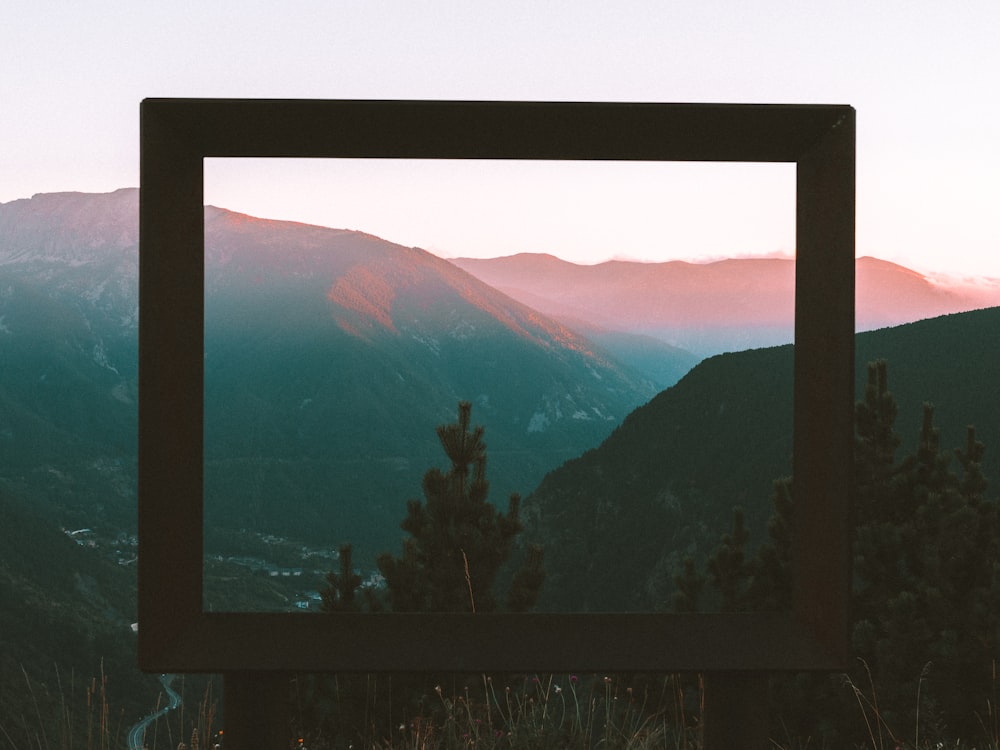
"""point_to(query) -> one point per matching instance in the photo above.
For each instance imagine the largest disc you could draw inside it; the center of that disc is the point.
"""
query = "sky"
(922, 75)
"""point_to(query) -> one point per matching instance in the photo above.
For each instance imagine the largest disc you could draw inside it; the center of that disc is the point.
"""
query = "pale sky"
(923, 77)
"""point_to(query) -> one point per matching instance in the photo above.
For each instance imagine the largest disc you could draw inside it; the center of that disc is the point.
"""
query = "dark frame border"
(175, 635)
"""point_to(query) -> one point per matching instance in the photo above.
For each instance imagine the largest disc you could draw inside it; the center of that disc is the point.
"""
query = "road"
(137, 734)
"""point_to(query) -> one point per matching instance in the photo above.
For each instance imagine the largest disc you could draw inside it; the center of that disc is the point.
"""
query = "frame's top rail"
(496, 130)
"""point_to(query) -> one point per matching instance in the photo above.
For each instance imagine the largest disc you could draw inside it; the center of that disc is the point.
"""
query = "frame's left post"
(171, 350)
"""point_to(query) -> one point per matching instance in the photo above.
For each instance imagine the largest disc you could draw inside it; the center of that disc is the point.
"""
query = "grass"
(881, 736)
(537, 712)
(614, 712)
(534, 712)
(78, 715)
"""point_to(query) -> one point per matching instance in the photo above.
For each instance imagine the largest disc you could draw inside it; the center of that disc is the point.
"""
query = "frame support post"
(736, 709)
(255, 710)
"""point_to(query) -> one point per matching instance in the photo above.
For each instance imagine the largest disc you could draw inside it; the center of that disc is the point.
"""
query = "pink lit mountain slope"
(335, 354)
(330, 358)
(368, 286)
(712, 307)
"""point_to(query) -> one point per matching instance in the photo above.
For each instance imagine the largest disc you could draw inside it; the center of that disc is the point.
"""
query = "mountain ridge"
(723, 305)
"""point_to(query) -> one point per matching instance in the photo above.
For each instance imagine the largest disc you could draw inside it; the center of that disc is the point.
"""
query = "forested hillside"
(618, 521)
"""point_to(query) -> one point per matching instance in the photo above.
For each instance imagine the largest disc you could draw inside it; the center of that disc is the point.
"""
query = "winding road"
(137, 734)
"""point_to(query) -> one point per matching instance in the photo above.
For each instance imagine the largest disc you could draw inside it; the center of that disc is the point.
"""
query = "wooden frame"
(175, 635)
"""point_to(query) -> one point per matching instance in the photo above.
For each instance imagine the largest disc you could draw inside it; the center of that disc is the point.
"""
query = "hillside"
(331, 356)
(618, 521)
(65, 614)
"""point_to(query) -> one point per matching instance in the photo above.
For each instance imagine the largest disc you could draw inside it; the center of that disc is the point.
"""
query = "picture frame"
(176, 635)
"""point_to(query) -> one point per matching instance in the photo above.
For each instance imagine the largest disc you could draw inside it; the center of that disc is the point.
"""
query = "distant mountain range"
(709, 308)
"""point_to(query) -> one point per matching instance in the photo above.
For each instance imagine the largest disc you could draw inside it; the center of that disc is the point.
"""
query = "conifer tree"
(527, 582)
(690, 584)
(925, 562)
(770, 589)
(926, 581)
(876, 440)
(457, 544)
(341, 593)
(727, 569)
(973, 484)
(458, 541)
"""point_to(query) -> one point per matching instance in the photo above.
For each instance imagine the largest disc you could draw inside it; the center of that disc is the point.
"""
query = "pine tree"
(762, 583)
(341, 593)
(770, 589)
(690, 584)
(527, 582)
(875, 418)
(925, 563)
(926, 581)
(458, 542)
(727, 568)
(973, 484)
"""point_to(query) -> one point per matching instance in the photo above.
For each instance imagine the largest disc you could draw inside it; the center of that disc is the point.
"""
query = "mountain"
(68, 328)
(331, 356)
(708, 308)
(80, 247)
(618, 521)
